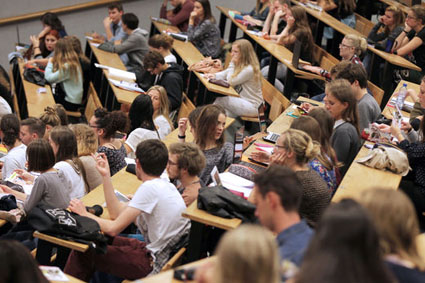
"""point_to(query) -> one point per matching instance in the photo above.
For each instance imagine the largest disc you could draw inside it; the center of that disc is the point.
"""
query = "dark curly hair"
(10, 127)
(111, 122)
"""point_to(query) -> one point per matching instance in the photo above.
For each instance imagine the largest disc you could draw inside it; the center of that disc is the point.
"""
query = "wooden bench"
(186, 107)
(363, 25)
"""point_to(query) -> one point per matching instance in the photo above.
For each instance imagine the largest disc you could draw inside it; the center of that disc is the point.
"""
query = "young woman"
(160, 104)
(342, 105)
(412, 40)
(44, 48)
(297, 28)
(87, 145)
(237, 263)
(342, 10)
(6, 100)
(350, 50)
(244, 75)
(142, 125)
(202, 31)
(51, 119)
(295, 149)
(394, 218)
(392, 22)
(106, 124)
(260, 11)
(208, 133)
(51, 187)
(61, 112)
(163, 43)
(50, 22)
(64, 145)
(345, 248)
(322, 164)
(64, 69)
(9, 133)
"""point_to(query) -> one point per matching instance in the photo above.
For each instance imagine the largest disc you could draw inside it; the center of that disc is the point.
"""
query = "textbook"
(117, 73)
(127, 85)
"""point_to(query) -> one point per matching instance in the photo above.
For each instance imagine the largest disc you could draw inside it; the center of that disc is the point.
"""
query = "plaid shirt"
(327, 75)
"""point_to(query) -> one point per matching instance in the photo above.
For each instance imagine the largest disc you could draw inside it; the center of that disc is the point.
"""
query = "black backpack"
(67, 225)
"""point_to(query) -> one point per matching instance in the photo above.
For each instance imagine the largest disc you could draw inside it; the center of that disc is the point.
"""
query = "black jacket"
(172, 80)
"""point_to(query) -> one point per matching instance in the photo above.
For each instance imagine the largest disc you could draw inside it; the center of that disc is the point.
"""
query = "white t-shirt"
(137, 136)
(161, 218)
(15, 159)
(170, 59)
(77, 189)
(163, 127)
(4, 107)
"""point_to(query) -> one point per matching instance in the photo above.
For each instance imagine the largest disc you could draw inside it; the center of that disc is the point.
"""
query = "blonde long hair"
(247, 254)
(247, 57)
(301, 144)
(163, 103)
(65, 54)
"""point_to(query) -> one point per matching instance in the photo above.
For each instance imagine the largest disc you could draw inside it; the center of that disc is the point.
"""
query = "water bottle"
(389, 45)
(401, 96)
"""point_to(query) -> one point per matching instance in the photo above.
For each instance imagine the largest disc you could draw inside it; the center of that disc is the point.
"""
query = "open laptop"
(296, 53)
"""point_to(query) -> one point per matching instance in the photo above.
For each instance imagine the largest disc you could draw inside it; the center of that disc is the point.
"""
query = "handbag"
(222, 83)
(207, 66)
(34, 75)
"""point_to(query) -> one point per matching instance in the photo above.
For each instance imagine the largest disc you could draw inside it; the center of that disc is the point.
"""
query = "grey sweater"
(49, 189)
(346, 143)
(221, 157)
(369, 111)
(206, 37)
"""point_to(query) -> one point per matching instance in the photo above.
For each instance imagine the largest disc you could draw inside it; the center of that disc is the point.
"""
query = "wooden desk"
(110, 95)
(31, 103)
(399, 5)
(387, 112)
(190, 55)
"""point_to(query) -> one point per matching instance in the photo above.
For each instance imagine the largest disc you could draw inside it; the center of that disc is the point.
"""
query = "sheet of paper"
(53, 273)
(235, 183)
(95, 44)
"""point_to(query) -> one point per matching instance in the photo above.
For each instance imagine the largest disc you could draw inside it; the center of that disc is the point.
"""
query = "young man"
(31, 129)
(113, 24)
(185, 163)
(180, 15)
(156, 207)
(368, 108)
(168, 75)
(135, 45)
(278, 197)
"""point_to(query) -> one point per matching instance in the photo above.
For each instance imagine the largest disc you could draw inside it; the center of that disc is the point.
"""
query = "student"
(323, 164)
(342, 105)
(113, 25)
(392, 22)
(5, 93)
(135, 46)
(61, 112)
(179, 16)
(419, 107)
(342, 10)
(159, 206)
(260, 11)
(168, 75)
(350, 49)
(161, 107)
(276, 18)
(51, 119)
(18, 265)
(50, 22)
(297, 28)
(246, 254)
(106, 124)
(368, 109)
(64, 69)
(345, 248)
(295, 149)
(202, 31)
(412, 40)
(51, 187)
(209, 136)
(163, 43)
(278, 199)
(87, 144)
(9, 133)
(394, 218)
(64, 145)
(185, 163)
(31, 129)
(142, 125)
(244, 75)
(44, 48)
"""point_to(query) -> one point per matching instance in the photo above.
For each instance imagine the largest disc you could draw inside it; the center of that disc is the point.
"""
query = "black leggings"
(417, 198)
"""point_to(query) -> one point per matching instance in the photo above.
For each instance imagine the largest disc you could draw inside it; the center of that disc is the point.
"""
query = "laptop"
(296, 53)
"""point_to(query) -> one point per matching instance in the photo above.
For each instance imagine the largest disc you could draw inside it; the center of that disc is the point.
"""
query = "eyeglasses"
(411, 17)
(276, 147)
(341, 45)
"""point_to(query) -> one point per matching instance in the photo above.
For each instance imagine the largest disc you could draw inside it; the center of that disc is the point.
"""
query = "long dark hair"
(207, 10)
(10, 127)
(52, 20)
(110, 122)
(141, 113)
(206, 124)
(345, 248)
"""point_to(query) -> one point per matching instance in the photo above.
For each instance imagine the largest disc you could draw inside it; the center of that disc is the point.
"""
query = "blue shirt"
(293, 241)
(119, 34)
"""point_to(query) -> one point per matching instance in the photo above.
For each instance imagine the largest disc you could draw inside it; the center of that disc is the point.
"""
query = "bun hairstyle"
(359, 43)
(10, 127)
(111, 122)
(50, 117)
(301, 144)
(161, 40)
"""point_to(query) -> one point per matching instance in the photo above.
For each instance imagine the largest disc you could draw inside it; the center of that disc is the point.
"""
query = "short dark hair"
(354, 72)
(10, 127)
(40, 156)
(34, 125)
(153, 156)
(115, 5)
(130, 20)
(190, 157)
(111, 122)
(66, 141)
(61, 112)
(283, 181)
(152, 59)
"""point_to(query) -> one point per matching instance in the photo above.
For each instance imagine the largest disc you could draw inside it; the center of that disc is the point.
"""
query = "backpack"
(67, 225)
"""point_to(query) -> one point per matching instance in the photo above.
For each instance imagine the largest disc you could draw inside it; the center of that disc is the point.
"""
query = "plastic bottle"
(401, 96)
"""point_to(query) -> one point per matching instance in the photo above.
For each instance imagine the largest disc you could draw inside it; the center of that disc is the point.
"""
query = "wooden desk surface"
(387, 112)
(36, 102)
(399, 5)
(113, 60)
(190, 55)
(344, 29)
(193, 213)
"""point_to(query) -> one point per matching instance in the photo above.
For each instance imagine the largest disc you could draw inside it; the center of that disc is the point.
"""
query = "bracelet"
(181, 137)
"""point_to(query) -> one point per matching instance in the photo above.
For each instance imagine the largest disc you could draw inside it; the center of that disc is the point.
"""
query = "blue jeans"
(350, 21)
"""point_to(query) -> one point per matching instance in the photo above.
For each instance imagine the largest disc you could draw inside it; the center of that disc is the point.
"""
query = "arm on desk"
(409, 46)
(176, 19)
(244, 75)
